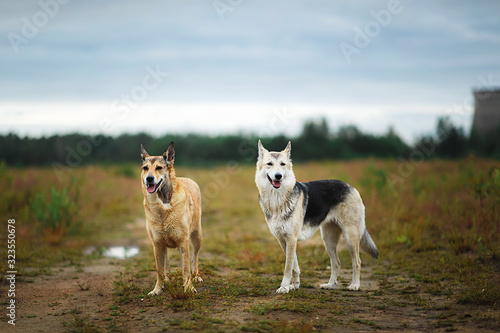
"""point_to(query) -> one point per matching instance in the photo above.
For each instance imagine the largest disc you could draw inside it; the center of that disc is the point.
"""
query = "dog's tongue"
(151, 188)
(276, 183)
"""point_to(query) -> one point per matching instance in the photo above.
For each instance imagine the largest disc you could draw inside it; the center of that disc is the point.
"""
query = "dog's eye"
(270, 163)
(283, 163)
(159, 168)
(145, 168)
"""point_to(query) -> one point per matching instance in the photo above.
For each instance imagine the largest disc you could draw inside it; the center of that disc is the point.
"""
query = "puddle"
(117, 252)
(121, 252)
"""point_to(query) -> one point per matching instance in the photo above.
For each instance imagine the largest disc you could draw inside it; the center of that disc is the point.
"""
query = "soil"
(56, 302)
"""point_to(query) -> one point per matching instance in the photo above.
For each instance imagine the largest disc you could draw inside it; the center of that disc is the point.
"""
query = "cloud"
(260, 52)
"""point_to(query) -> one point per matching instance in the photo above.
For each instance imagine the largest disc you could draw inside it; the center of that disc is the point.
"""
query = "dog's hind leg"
(166, 267)
(185, 265)
(330, 233)
(196, 241)
(353, 238)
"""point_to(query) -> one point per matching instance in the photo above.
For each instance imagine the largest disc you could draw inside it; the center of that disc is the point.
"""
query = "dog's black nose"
(150, 179)
(278, 176)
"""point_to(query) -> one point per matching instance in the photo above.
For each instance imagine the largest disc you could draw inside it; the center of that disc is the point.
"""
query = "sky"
(240, 66)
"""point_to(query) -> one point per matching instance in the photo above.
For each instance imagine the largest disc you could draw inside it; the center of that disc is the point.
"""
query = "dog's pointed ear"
(288, 150)
(144, 153)
(262, 150)
(169, 154)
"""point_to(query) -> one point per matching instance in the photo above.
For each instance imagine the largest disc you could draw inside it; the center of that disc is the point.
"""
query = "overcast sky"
(225, 66)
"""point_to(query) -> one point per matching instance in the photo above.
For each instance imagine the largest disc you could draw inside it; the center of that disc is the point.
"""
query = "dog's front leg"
(290, 247)
(295, 274)
(159, 250)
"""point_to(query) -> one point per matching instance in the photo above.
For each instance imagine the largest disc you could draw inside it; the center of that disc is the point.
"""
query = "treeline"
(315, 142)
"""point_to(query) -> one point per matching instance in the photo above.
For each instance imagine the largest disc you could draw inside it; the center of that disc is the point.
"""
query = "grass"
(58, 215)
(79, 324)
(174, 286)
(436, 229)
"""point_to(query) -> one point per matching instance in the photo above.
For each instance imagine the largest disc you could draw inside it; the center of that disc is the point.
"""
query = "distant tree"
(312, 143)
(315, 132)
(315, 142)
(348, 133)
(451, 141)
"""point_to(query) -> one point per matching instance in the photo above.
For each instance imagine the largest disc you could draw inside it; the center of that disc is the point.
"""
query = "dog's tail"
(368, 245)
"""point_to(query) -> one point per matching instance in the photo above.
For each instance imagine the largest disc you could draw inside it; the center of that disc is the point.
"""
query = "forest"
(315, 142)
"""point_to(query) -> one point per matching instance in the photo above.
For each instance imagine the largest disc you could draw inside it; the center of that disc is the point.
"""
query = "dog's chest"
(280, 228)
(168, 226)
(307, 231)
(171, 234)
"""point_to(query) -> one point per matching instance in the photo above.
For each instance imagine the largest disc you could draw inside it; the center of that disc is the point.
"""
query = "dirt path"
(46, 301)
(58, 302)
(108, 295)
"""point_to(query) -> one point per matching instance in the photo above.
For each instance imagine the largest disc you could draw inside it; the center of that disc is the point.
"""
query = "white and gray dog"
(295, 211)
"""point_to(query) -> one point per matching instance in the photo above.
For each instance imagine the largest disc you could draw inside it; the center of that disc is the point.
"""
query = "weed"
(374, 178)
(127, 170)
(124, 288)
(262, 308)
(299, 306)
(482, 291)
(58, 215)
(267, 325)
(84, 286)
(437, 234)
(366, 322)
(79, 324)
(174, 286)
(485, 186)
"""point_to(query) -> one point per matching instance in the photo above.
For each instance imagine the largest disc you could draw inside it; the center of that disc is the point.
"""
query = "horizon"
(225, 67)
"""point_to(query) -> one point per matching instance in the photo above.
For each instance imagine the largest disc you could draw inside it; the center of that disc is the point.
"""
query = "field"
(436, 225)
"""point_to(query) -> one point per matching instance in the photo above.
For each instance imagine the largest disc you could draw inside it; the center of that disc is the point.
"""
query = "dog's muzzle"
(151, 187)
(277, 181)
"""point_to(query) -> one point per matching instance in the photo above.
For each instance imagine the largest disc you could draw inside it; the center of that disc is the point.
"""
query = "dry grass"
(436, 228)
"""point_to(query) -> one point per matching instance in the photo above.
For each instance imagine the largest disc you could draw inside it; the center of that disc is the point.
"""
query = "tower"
(487, 113)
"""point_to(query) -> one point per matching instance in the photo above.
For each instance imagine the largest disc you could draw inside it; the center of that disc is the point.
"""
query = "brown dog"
(173, 215)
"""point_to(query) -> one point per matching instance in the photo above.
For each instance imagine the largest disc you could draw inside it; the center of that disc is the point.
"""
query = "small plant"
(124, 288)
(262, 308)
(482, 289)
(127, 170)
(374, 178)
(58, 215)
(84, 286)
(487, 185)
(79, 324)
(366, 322)
(174, 287)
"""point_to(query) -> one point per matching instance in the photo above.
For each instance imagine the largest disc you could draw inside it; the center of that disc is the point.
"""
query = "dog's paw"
(154, 292)
(283, 290)
(198, 279)
(353, 286)
(295, 286)
(327, 286)
(189, 288)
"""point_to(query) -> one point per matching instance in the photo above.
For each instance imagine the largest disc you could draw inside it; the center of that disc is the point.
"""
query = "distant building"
(487, 112)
